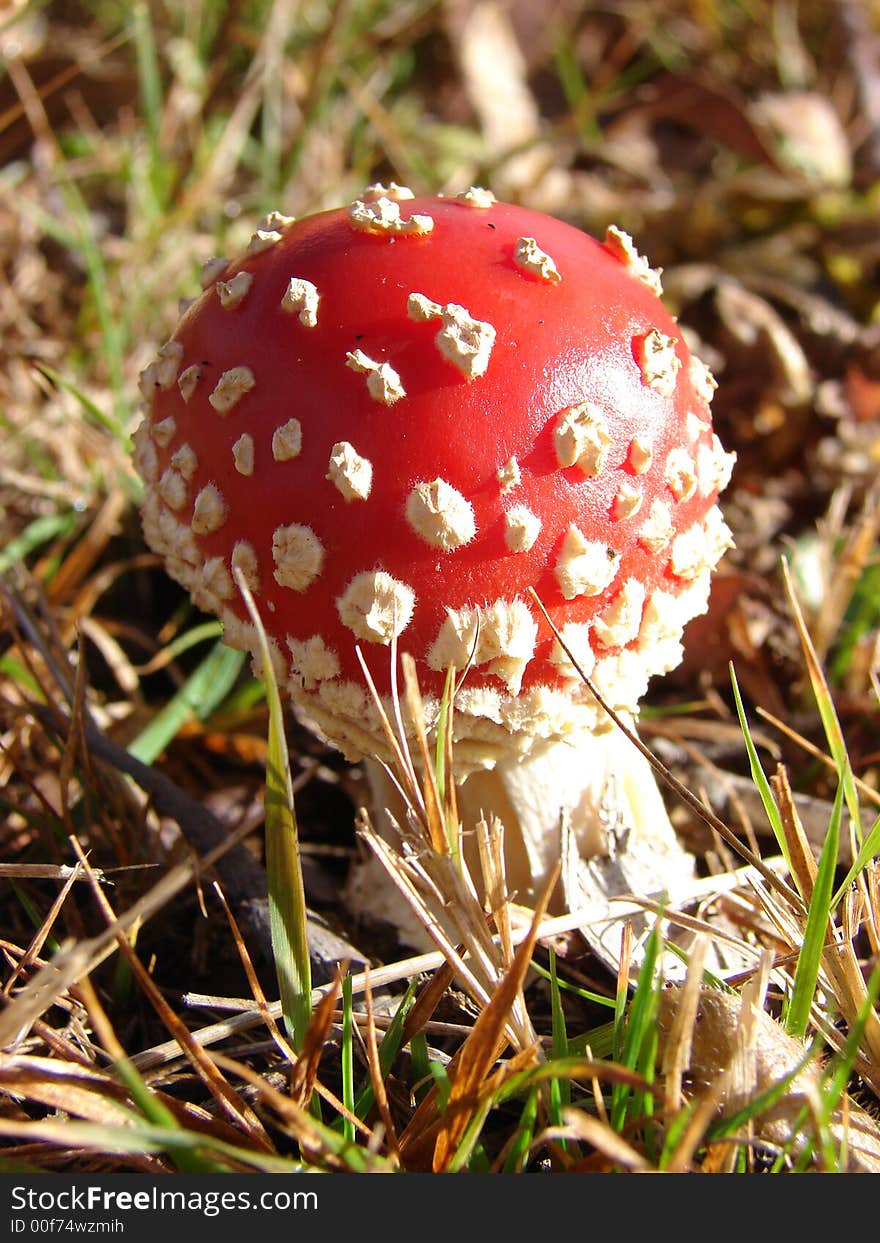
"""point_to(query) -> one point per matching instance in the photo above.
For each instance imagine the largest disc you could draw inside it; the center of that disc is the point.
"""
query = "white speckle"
(621, 245)
(702, 380)
(584, 567)
(311, 662)
(209, 511)
(695, 425)
(172, 489)
(440, 515)
(376, 607)
(231, 387)
(344, 700)
(164, 431)
(714, 467)
(188, 380)
(581, 438)
(689, 555)
(244, 559)
(501, 636)
(184, 460)
(521, 528)
(148, 382)
(301, 298)
(298, 555)
(464, 341)
(382, 216)
(661, 619)
(243, 454)
(621, 676)
(640, 455)
(383, 382)
(421, 308)
(349, 472)
(659, 363)
(509, 475)
(262, 239)
(146, 459)
(176, 540)
(216, 580)
(627, 501)
(400, 194)
(619, 623)
(657, 529)
(576, 636)
(476, 196)
(666, 614)
(168, 363)
(212, 270)
(719, 537)
(238, 634)
(243, 635)
(274, 221)
(287, 441)
(532, 259)
(233, 292)
(681, 474)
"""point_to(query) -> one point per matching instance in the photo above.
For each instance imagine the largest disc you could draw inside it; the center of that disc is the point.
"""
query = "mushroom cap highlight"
(397, 418)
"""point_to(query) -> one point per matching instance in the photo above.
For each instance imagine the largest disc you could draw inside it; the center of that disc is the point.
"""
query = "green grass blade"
(560, 1089)
(758, 776)
(388, 1050)
(21, 676)
(91, 408)
(420, 1060)
(869, 848)
(521, 1141)
(839, 1071)
(470, 1154)
(288, 917)
(114, 338)
(576, 990)
(185, 1156)
(35, 535)
(198, 697)
(827, 712)
(347, 1059)
(797, 1013)
(442, 730)
(640, 1028)
(287, 905)
(150, 83)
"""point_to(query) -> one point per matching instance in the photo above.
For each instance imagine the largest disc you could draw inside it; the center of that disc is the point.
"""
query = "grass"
(141, 1030)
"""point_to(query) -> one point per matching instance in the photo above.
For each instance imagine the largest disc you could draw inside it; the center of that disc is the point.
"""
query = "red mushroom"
(399, 417)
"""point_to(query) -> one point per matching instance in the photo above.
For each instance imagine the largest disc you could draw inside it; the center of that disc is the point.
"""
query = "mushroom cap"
(397, 418)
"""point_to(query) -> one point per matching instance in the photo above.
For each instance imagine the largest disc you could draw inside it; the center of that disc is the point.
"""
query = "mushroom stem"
(598, 787)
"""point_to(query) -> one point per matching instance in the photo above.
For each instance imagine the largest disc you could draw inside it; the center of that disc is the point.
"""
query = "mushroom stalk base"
(593, 792)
